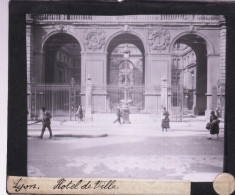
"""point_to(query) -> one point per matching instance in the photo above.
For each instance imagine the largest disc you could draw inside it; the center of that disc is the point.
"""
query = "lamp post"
(126, 86)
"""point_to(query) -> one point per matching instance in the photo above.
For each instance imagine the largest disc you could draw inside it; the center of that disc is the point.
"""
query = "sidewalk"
(141, 125)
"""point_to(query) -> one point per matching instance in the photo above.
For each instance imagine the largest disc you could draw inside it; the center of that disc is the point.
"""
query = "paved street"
(139, 150)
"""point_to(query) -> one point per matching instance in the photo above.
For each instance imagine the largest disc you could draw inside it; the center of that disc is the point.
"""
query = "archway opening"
(189, 74)
(135, 71)
(61, 75)
(62, 57)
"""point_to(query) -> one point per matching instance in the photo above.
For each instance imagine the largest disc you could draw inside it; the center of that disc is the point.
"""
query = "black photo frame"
(17, 95)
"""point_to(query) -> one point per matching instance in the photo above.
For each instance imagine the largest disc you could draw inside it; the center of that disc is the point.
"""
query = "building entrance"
(61, 86)
(189, 72)
(129, 72)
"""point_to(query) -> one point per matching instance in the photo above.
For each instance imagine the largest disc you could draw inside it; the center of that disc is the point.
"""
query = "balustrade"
(128, 18)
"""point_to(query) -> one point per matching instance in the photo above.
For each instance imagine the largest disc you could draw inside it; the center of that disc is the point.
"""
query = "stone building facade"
(98, 41)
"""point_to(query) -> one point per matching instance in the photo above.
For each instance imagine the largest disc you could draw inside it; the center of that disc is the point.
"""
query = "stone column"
(164, 93)
(95, 66)
(212, 80)
(88, 98)
(222, 54)
(157, 66)
(222, 69)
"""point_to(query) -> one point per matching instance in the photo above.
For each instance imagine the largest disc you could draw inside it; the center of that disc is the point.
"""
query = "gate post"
(72, 99)
(33, 102)
(164, 93)
(88, 97)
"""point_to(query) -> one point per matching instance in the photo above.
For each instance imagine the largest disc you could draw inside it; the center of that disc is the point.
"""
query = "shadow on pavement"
(74, 136)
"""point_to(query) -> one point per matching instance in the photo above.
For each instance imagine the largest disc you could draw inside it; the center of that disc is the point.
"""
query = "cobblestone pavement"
(139, 150)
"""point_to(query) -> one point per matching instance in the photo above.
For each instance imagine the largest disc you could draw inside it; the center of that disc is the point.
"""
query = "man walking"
(119, 115)
(46, 122)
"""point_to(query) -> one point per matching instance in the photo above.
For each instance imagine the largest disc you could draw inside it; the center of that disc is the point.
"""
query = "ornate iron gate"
(60, 100)
(135, 94)
(177, 102)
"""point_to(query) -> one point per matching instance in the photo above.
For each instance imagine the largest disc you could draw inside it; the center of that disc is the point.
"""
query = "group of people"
(212, 126)
(164, 118)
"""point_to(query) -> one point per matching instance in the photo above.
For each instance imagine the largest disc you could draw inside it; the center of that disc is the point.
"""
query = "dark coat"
(46, 118)
(119, 114)
(165, 120)
(214, 124)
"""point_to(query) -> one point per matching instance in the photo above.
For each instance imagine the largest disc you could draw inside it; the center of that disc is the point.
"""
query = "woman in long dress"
(79, 113)
(165, 119)
(214, 127)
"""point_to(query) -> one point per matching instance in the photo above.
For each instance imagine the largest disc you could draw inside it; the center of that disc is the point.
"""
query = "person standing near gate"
(214, 125)
(119, 115)
(79, 113)
(46, 122)
(165, 119)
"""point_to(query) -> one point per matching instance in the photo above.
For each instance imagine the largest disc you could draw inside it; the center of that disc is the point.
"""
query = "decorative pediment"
(94, 38)
(159, 38)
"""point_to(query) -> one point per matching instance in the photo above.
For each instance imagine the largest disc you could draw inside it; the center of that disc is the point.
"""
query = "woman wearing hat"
(165, 119)
(214, 127)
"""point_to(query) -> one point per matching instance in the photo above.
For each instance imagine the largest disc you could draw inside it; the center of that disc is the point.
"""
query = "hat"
(43, 108)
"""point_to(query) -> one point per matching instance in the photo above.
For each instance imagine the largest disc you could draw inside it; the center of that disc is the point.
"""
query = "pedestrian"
(79, 113)
(119, 115)
(165, 119)
(218, 112)
(46, 122)
(214, 125)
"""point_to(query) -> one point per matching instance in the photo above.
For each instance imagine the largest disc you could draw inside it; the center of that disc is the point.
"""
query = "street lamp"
(126, 87)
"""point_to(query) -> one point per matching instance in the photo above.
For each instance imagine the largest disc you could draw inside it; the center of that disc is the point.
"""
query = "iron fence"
(63, 100)
(60, 100)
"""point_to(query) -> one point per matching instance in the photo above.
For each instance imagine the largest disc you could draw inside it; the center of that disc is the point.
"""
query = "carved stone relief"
(159, 38)
(94, 38)
(62, 28)
(192, 29)
(126, 28)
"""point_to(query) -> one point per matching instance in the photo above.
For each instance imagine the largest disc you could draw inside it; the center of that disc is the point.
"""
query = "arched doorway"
(62, 59)
(60, 91)
(134, 69)
(189, 74)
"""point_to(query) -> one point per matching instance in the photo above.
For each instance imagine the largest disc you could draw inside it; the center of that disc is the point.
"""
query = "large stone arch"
(47, 36)
(209, 45)
(143, 40)
(206, 75)
(136, 76)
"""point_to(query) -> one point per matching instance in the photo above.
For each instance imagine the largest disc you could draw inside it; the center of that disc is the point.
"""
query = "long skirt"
(214, 128)
(165, 123)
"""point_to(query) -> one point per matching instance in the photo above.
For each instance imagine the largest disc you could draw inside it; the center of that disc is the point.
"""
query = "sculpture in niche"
(159, 39)
(94, 38)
